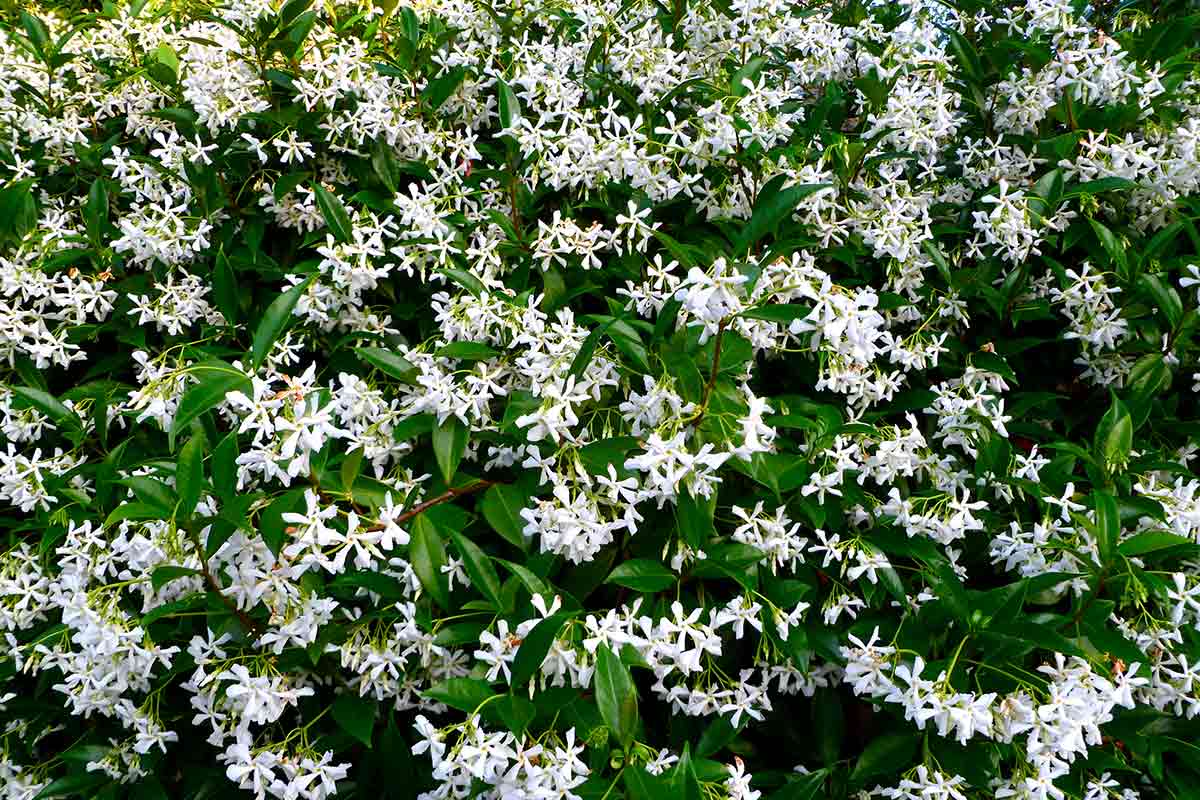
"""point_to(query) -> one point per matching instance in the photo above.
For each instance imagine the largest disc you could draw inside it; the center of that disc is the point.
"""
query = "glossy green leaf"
(356, 716)
(334, 213)
(534, 647)
(449, 445)
(616, 695)
(428, 556)
(273, 321)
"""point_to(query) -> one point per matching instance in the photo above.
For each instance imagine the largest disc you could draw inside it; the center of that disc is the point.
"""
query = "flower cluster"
(599, 399)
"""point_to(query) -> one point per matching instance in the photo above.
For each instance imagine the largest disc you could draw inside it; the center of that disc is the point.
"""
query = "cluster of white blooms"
(1057, 724)
(508, 766)
(442, 378)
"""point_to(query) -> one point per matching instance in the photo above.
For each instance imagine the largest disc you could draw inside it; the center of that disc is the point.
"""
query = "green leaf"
(161, 576)
(694, 516)
(501, 506)
(59, 414)
(449, 444)
(616, 695)
(719, 733)
(1108, 524)
(579, 364)
(773, 205)
(804, 787)
(215, 380)
(1114, 436)
(1049, 188)
(749, 71)
(164, 54)
(334, 213)
(479, 568)
(466, 280)
(383, 162)
(641, 785)
(82, 784)
(1099, 186)
(468, 351)
(642, 575)
(777, 313)
(829, 724)
(515, 712)
(385, 586)
(1150, 541)
(939, 260)
(465, 694)
(135, 511)
(629, 343)
(225, 288)
(356, 716)
(95, 212)
(509, 105)
(35, 29)
(534, 647)
(18, 210)
(274, 321)
(1043, 636)
(966, 56)
(1165, 298)
(890, 754)
(532, 582)
(428, 556)
(224, 466)
(440, 89)
(684, 783)
(950, 591)
(87, 752)
(387, 362)
(270, 521)
(189, 476)
(1112, 245)
(350, 469)
(292, 9)
(150, 490)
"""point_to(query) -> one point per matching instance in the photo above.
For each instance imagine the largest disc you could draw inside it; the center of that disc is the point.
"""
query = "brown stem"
(712, 375)
(446, 496)
(247, 621)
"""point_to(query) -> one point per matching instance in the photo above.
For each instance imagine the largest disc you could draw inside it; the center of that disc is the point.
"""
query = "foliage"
(592, 399)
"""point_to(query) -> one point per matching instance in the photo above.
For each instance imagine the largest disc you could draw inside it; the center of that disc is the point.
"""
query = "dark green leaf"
(534, 647)
(449, 444)
(428, 556)
(890, 754)
(479, 568)
(501, 508)
(334, 213)
(440, 89)
(356, 716)
(189, 476)
(642, 575)
(387, 362)
(215, 380)
(616, 695)
(273, 321)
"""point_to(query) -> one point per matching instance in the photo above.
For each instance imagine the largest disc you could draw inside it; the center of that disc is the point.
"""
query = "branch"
(247, 621)
(444, 497)
(712, 375)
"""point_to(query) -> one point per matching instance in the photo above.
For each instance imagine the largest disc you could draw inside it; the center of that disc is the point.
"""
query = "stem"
(954, 661)
(247, 621)
(614, 783)
(446, 496)
(712, 376)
